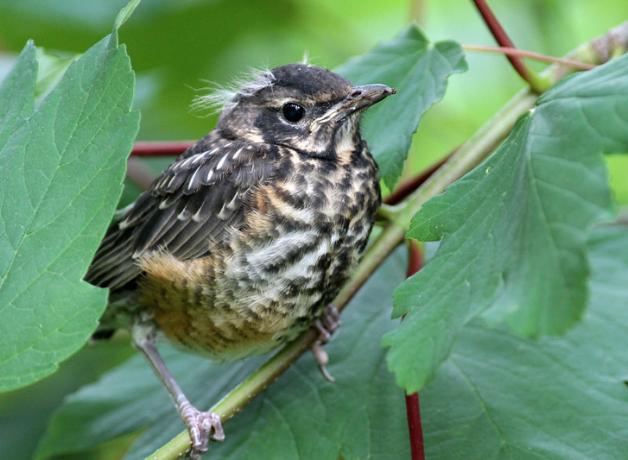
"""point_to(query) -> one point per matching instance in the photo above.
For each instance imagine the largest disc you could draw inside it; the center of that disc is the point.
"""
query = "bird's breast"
(302, 235)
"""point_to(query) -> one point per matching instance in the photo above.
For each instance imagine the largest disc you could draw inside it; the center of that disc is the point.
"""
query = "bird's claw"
(326, 326)
(201, 425)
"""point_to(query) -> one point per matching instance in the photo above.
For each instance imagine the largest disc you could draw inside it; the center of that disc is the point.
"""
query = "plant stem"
(413, 406)
(468, 155)
(415, 428)
(528, 54)
(536, 83)
(417, 11)
(463, 160)
(408, 186)
(475, 149)
(159, 148)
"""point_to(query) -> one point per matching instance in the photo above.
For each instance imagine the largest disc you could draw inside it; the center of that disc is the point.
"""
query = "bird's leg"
(326, 325)
(200, 424)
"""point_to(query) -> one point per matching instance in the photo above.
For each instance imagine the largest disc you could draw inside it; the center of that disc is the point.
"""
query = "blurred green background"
(179, 47)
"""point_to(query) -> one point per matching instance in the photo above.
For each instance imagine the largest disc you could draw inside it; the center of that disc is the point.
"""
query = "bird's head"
(300, 106)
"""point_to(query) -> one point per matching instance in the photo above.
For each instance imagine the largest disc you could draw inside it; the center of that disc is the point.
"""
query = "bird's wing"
(188, 208)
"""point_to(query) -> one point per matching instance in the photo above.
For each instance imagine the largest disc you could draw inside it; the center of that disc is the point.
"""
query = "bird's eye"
(292, 112)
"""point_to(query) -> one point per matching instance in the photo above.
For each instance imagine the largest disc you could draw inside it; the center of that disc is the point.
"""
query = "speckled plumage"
(239, 244)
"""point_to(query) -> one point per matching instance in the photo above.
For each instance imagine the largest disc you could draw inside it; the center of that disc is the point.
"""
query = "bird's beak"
(366, 95)
(360, 98)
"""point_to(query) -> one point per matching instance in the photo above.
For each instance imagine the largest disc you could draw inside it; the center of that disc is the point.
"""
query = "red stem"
(502, 38)
(413, 413)
(415, 258)
(407, 187)
(157, 149)
(413, 407)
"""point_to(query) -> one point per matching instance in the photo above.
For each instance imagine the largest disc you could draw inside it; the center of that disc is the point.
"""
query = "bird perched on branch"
(243, 241)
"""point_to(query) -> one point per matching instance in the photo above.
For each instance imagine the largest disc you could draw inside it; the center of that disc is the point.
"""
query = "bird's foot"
(326, 326)
(201, 425)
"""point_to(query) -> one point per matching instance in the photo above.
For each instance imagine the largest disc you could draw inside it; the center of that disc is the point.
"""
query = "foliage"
(61, 166)
(514, 229)
(520, 253)
(418, 70)
(503, 396)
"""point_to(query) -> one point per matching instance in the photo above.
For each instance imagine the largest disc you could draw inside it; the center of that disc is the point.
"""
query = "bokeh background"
(179, 47)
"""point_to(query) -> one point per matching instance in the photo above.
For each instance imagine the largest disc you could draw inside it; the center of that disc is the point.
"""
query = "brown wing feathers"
(188, 207)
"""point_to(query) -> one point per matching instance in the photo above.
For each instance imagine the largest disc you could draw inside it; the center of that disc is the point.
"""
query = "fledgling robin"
(243, 241)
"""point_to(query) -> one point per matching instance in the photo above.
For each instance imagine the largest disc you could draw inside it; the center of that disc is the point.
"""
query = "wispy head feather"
(222, 98)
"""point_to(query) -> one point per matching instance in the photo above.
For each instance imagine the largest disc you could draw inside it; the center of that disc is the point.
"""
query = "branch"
(537, 84)
(529, 54)
(158, 148)
(417, 11)
(463, 160)
(407, 187)
(413, 414)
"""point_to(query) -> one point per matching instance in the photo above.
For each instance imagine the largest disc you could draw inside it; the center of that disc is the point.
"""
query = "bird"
(245, 239)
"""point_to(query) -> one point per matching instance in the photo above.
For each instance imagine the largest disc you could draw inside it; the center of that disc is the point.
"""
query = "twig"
(529, 54)
(501, 37)
(413, 406)
(465, 158)
(413, 414)
(417, 11)
(158, 148)
(408, 186)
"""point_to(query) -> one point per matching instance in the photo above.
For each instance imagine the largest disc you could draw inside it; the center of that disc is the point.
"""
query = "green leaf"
(618, 171)
(125, 13)
(418, 69)
(61, 172)
(503, 396)
(301, 415)
(52, 66)
(513, 230)
(17, 93)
